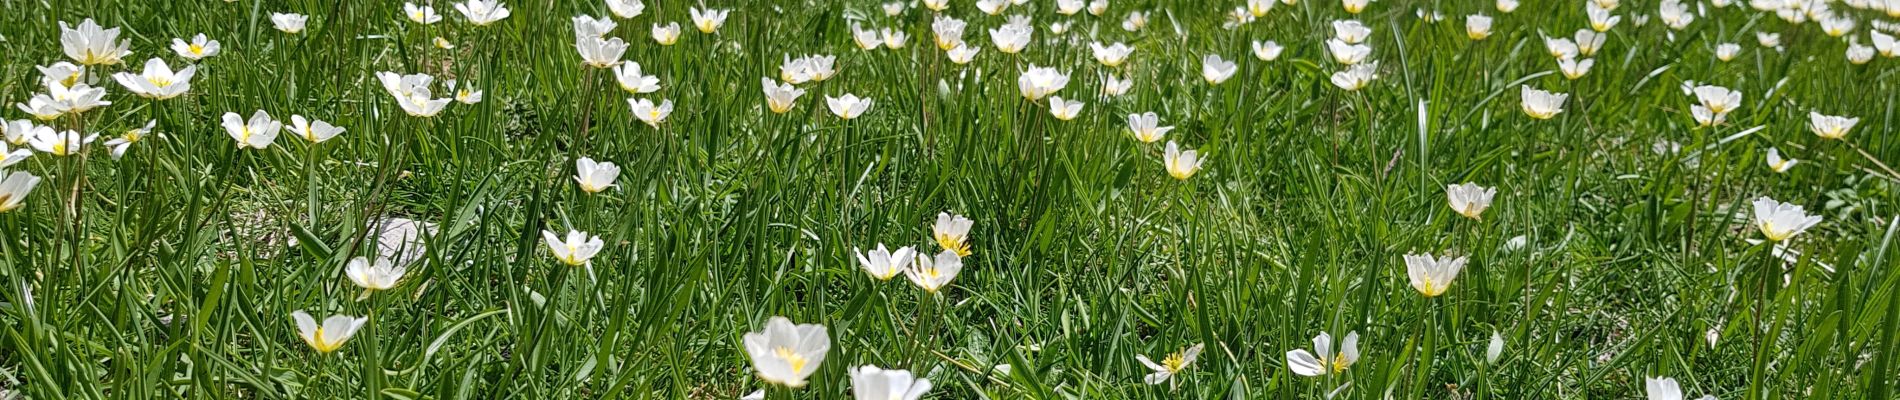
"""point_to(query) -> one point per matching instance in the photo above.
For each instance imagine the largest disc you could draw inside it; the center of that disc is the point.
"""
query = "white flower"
(1356, 77)
(381, 275)
(1181, 164)
(947, 32)
(1011, 38)
(326, 338)
(872, 383)
(1495, 349)
(1216, 70)
(1719, 100)
(1354, 6)
(884, 264)
(483, 12)
(848, 106)
(1779, 221)
(587, 26)
(780, 98)
(1267, 50)
(578, 249)
(893, 9)
(1259, 8)
(633, 80)
(1169, 366)
(1070, 7)
(963, 54)
(314, 131)
(820, 67)
(937, 5)
(992, 7)
(1468, 199)
(785, 353)
(1322, 360)
(708, 20)
(1884, 43)
(1588, 41)
(933, 275)
(1837, 26)
(420, 13)
(199, 47)
(650, 113)
(19, 131)
(1431, 276)
(1146, 127)
(291, 23)
(1135, 21)
(157, 81)
(1859, 54)
(1778, 164)
(866, 39)
(1830, 127)
(1351, 31)
(1675, 14)
(952, 233)
(1039, 82)
(1112, 86)
(65, 73)
(1768, 39)
(1574, 68)
(60, 143)
(1506, 6)
(60, 99)
(1727, 51)
(1477, 26)
(91, 44)
(117, 145)
(666, 35)
(465, 94)
(1064, 110)
(10, 155)
(1562, 48)
(595, 177)
(626, 8)
(1600, 19)
(1346, 53)
(1112, 55)
(600, 53)
(1665, 389)
(257, 133)
(412, 93)
(1541, 104)
(895, 39)
(14, 188)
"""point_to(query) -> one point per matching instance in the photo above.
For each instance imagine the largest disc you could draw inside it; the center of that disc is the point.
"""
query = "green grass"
(176, 274)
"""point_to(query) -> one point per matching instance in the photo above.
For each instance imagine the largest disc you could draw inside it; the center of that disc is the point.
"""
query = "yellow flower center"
(1340, 364)
(196, 49)
(954, 243)
(1429, 288)
(1174, 362)
(317, 342)
(793, 359)
(572, 257)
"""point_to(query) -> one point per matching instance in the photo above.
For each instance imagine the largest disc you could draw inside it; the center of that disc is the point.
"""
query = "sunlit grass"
(1213, 209)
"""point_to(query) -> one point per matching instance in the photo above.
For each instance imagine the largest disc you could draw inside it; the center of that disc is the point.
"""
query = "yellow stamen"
(793, 359)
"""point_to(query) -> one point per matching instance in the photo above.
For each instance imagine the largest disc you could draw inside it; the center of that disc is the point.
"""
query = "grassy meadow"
(1625, 240)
